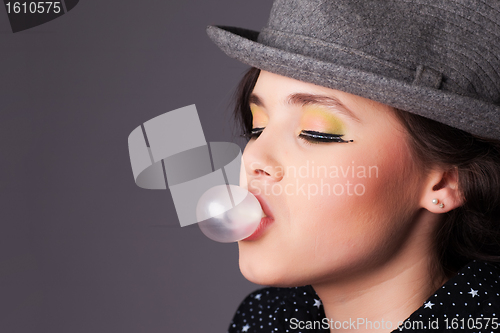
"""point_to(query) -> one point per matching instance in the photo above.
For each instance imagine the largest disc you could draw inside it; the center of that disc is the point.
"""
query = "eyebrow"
(302, 99)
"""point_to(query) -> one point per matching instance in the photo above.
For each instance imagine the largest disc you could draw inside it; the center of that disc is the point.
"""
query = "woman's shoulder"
(478, 285)
(273, 308)
(468, 302)
(477, 279)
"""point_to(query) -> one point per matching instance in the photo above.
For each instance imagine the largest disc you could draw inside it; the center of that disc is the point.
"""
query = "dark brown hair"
(469, 232)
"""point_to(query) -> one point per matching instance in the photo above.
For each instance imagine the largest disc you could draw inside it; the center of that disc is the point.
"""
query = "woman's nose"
(262, 160)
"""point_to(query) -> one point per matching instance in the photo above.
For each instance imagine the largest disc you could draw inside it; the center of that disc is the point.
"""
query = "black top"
(468, 302)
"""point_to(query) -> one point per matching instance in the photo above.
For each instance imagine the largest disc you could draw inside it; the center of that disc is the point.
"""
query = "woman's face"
(339, 207)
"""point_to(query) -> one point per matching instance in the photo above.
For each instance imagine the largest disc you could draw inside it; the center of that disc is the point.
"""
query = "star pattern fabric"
(468, 302)
(428, 305)
(269, 310)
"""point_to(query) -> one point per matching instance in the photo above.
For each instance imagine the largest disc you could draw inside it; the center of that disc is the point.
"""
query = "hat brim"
(468, 114)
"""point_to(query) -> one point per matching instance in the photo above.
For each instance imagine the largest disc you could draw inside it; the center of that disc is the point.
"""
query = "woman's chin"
(255, 275)
(260, 273)
(269, 274)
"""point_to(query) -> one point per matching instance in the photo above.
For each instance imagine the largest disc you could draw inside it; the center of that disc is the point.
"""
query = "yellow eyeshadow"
(259, 117)
(321, 120)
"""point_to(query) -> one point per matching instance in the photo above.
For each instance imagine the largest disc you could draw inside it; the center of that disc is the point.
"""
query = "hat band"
(352, 58)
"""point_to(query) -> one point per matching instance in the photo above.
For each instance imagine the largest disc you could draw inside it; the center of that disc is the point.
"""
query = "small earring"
(436, 201)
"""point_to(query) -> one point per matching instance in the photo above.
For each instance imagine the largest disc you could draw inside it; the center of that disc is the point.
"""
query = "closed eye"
(310, 136)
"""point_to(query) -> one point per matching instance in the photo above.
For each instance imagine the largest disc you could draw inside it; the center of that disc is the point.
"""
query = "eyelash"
(311, 137)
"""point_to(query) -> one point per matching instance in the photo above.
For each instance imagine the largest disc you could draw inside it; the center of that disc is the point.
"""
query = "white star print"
(473, 292)
(256, 313)
(428, 305)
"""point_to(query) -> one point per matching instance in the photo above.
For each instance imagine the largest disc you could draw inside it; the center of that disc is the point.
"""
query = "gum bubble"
(225, 220)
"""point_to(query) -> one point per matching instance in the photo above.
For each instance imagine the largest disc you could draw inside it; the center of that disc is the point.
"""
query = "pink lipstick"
(264, 222)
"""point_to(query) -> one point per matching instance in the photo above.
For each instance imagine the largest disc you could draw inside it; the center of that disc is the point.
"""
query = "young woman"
(374, 150)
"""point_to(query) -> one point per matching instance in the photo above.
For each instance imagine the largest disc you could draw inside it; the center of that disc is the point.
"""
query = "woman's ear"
(441, 192)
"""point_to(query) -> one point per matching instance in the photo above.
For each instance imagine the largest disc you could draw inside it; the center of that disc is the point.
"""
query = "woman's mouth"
(265, 221)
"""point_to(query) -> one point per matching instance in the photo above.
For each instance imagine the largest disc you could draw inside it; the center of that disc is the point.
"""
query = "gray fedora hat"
(436, 58)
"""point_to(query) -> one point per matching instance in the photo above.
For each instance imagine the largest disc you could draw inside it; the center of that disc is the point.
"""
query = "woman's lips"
(264, 221)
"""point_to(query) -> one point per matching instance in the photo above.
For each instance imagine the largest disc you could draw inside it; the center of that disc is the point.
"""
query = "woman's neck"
(381, 300)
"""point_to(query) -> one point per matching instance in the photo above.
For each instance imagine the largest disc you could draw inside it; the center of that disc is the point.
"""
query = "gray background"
(82, 248)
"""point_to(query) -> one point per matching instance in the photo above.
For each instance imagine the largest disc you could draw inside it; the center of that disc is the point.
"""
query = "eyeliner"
(324, 137)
